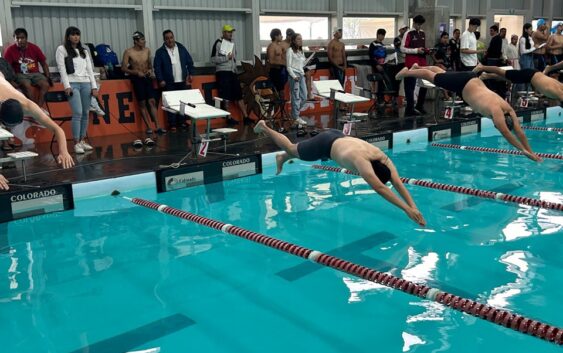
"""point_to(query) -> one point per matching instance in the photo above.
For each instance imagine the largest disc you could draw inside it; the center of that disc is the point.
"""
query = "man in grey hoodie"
(223, 56)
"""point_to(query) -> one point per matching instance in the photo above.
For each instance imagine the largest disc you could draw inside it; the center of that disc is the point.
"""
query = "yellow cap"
(228, 28)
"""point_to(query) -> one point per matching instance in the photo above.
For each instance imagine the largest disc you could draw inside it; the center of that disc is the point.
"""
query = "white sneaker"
(85, 146)
(78, 148)
(300, 121)
(97, 109)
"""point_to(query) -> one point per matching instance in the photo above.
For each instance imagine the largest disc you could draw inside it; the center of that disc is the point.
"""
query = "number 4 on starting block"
(449, 113)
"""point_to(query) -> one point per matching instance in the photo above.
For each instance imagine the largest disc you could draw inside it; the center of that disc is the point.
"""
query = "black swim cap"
(11, 112)
(381, 170)
(509, 122)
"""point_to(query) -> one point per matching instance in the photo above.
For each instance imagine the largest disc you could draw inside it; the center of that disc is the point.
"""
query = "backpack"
(93, 53)
(106, 56)
(213, 48)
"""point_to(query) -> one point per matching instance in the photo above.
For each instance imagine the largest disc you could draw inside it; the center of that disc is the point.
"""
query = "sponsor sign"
(383, 141)
(21, 204)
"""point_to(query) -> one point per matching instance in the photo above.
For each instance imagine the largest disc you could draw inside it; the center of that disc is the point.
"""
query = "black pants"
(410, 84)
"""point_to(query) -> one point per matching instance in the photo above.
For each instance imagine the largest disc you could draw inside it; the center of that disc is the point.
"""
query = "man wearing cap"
(25, 58)
(224, 55)
(173, 68)
(413, 46)
(540, 36)
(555, 44)
(13, 105)
(511, 52)
(337, 57)
(137, 63)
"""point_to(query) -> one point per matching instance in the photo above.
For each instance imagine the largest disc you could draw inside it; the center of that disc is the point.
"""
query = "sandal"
(138, 143)
(149, 142)
(149, 131)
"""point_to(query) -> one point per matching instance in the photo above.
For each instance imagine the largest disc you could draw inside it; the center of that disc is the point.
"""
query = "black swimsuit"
(318, 147)
(454, 81)
(520, 76)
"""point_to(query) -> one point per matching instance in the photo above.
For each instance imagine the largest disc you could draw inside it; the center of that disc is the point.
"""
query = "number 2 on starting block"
(524, 102)
(203, 148)
(347, 129)
(448, 113)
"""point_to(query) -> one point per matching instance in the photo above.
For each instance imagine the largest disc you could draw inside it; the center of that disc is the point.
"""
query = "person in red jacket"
(414, 48)
(25, 57)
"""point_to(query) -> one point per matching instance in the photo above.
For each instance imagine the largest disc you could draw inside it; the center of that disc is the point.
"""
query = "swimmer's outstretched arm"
(365, 170)
(521, 142)
(30, 108)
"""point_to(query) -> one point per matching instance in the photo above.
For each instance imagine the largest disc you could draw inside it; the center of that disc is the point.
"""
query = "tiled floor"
(115, 155)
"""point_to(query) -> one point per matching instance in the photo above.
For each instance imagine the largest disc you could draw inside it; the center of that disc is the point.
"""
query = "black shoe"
(248, 121)
(412, 112)
(421, 110)
(231, 121)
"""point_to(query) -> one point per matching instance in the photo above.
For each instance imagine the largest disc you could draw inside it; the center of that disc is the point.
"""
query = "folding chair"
(387, 90)
(272, 106)
(56, 98)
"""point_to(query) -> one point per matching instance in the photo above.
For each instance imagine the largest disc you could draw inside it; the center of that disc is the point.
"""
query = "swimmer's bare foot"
(281, 158)
(260, 126)
(478, 68)
(415, 66)
(399, 76)
(547, 69)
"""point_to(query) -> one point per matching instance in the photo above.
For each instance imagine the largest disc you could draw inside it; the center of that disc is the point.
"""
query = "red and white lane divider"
(463, 190)
(495, 150)
(486, 312)
(543, 128)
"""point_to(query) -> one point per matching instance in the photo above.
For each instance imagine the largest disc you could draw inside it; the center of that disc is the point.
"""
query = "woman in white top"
(295, 68)
(79, 85)
(526, 46)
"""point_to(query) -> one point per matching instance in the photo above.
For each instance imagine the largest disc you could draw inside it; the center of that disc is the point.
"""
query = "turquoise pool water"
(114, 277)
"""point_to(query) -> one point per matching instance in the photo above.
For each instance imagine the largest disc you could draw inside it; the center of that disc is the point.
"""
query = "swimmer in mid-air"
(353, 154)
(482, 100)
(542, 83)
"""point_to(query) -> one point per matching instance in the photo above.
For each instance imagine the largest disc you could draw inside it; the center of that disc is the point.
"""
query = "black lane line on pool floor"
(353, 251)
(134, 338)
(470, 201)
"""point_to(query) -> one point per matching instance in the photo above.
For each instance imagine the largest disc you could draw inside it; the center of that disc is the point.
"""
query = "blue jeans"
(80, 104)
(298, 91)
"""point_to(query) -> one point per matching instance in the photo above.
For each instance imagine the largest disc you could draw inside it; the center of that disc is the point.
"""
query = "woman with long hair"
(77, 76)
(297, 85)
(526, 46)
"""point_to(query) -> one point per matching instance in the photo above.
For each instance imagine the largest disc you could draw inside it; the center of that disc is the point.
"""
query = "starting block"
(224, 135)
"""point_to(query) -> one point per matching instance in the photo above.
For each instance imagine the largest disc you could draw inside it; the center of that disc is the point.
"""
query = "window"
(308, 27)
(513, 24)
(366, 27)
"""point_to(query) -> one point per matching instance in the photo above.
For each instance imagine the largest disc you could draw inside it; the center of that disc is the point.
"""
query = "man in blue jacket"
(173, 68)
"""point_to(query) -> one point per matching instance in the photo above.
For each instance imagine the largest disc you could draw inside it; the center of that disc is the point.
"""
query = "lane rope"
(498, 316)
(493, 195)
(494, 150)
(543, 128)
